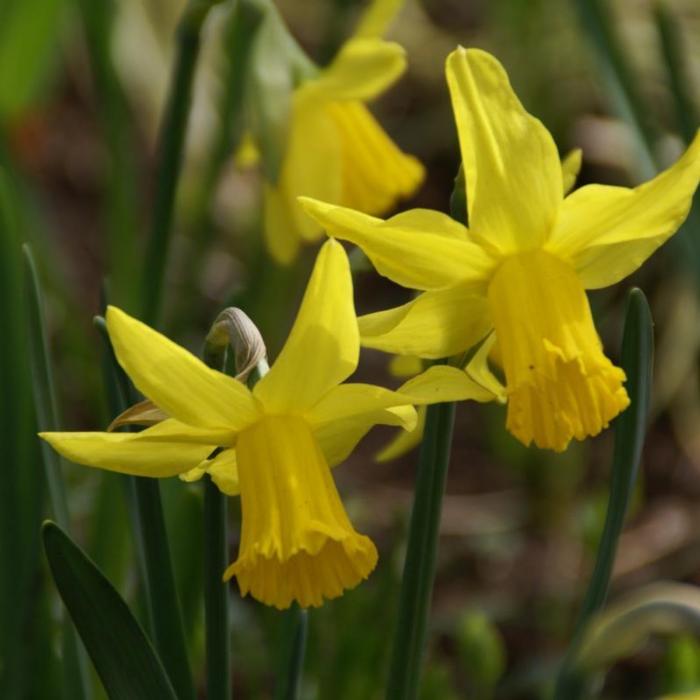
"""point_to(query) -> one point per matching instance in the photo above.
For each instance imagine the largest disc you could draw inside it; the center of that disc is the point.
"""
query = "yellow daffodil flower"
(274, 444)
(336, 150)
(524, 263)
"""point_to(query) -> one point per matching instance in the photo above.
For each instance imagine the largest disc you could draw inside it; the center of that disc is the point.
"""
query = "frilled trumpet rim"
(297, 543)
(560, 384)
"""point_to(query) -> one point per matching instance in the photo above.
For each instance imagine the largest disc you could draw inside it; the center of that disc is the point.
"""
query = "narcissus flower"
(336, 150)
(522, 267)
(274, 444)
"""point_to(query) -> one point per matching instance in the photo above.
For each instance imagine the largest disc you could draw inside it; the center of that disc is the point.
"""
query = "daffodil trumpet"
(272, 445)
(518, 274)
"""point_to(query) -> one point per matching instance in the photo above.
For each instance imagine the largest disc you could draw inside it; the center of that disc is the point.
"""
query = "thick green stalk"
(421, 554)
(216, 602)
(216, 606)
(630, 428)
(295, 628)
(170, 156)
(152, 545)
(76, 675)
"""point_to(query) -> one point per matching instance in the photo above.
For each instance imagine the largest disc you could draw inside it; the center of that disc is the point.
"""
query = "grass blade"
(630, 428)
(118, 647)
(44, 390)
(171, 150)
(46, 407)
(23, 490)
(121, 201)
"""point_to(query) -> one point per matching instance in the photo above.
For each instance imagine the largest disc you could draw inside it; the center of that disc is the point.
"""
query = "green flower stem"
(630, 428)
(216, 604)
(216, 601)
(154, 554)
(76, 673)
(171, 150)
(421, 554)
(295, 628)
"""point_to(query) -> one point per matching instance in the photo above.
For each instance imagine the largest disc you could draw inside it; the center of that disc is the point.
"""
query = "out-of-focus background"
(82, 88)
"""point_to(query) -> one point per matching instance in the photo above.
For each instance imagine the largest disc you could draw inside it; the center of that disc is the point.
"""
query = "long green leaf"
(44, 389)
(121, 201)
(630, 428)
(171, 150)
(22, 493)
(46, 408)
(118, 647)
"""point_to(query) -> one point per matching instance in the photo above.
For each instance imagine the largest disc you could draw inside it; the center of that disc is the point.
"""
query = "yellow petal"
(352, 399)
(404, 440)
(433, 325)
(311, 166)
(606, 233)
(362, 69)
(511, 164)
(377, 17)
(376, 173)
(405, 365)
(478, 369)
(281, 235)
(402, 250)
(570, 168)
(297, 543)
(175, 380)
(339, 438)
(129, 453)
(560, 384)
(323, 347)
(441, 383)
(223, 470)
